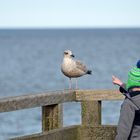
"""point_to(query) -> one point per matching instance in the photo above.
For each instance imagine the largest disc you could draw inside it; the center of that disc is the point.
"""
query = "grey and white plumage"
(73, 68)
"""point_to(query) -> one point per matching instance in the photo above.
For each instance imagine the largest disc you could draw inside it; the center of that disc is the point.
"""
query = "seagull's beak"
(72, 55)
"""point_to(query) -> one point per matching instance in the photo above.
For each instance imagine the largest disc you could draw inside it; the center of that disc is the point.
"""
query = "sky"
(69, 13)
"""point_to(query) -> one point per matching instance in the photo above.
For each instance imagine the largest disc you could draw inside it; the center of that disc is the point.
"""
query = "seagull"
(73, 68)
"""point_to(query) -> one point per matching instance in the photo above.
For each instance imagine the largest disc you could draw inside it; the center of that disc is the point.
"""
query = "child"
(129, 122)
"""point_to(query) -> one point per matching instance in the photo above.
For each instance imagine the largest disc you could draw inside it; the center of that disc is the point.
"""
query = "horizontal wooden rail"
(98, 95)
(76, 132)
(36, 100)
(65, 133)
(56, 97)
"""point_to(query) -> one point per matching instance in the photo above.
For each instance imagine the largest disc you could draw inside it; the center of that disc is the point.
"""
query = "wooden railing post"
(91, 113)
(52, 117)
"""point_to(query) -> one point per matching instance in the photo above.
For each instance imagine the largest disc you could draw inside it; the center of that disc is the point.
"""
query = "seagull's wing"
(81, 66)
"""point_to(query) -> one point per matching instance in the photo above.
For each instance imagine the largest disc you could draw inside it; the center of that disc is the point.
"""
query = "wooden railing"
(52, 114)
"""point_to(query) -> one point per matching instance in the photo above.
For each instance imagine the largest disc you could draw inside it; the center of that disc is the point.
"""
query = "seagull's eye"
(66, 52)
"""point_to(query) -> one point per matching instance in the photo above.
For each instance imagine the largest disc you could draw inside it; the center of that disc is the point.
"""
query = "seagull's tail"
(89, 72)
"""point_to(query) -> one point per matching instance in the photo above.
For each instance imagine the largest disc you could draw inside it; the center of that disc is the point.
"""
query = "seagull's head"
(68, 53)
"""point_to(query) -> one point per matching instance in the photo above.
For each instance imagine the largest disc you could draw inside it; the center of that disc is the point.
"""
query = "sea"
(30, 63)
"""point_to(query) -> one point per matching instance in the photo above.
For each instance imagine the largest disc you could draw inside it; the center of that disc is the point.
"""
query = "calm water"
(30, 63)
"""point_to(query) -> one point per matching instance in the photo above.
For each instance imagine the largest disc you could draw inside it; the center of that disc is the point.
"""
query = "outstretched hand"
(116, 81)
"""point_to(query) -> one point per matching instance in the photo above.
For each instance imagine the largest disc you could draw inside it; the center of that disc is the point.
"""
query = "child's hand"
(116, 81)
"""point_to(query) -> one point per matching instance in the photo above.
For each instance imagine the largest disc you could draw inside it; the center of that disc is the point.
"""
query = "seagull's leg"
(76, 83)
(70, 84)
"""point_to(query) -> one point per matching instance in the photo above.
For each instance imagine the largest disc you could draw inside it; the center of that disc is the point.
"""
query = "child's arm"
(117, 81)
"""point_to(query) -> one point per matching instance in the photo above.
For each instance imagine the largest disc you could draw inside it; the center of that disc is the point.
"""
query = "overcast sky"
(69, 13)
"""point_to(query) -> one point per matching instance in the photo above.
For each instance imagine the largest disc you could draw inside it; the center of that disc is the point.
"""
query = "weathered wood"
(50, 102)
(65, 133)
(52, 117)
(75, 133)
(36, 100)
(98, 95)
(91, 113)
(104, 132)
(56, 97)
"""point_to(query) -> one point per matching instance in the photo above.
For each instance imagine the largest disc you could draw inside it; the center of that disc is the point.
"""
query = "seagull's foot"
(76, 88)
